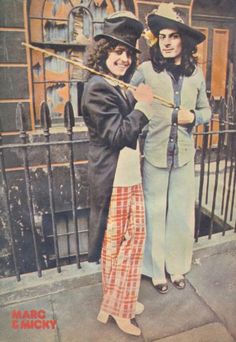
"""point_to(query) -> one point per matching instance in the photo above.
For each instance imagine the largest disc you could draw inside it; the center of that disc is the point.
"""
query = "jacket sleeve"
(137, 77)
(202, 110)
(101, 103)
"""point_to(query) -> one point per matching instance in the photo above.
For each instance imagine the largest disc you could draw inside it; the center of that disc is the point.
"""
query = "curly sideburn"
(97, 54)
(188, 60)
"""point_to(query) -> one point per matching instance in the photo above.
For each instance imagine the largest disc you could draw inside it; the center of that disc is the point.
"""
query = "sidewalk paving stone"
(214, 332)
(76, 312)
(215, 281)
(171, 313)
(8, 334)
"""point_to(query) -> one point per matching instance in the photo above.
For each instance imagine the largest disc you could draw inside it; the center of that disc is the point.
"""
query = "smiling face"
(119, 60)
(170, 43)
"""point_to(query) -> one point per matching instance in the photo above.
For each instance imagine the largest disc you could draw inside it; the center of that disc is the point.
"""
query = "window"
(64, 27)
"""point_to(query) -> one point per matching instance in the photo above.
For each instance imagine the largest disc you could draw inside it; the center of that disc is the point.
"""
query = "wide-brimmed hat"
(123, 27)
(166, 16)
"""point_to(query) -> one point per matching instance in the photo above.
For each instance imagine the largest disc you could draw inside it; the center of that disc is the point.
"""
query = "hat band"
(127, 38)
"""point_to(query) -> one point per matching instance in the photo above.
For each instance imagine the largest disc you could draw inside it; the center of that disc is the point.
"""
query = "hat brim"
(102, 35)
(157, 23)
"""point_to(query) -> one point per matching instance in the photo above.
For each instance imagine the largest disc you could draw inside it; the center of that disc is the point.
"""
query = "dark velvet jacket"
(112, 123)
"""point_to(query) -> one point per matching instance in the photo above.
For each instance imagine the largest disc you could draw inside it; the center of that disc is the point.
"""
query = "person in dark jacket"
(115, 119)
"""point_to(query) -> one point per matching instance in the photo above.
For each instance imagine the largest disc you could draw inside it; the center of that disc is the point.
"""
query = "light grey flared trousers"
(169, 202)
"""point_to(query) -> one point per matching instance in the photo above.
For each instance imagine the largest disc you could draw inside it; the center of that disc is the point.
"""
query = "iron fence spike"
(212, 103)
(45, 115)
(231, 105)
(223, 107)
(21, 120)
(69, 120)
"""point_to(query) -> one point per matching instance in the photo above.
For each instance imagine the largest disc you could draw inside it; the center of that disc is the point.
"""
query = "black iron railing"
(24, 146)
(216, 170)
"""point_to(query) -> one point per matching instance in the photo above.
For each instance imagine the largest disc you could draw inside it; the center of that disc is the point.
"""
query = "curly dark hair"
(97, 54)
(188, 60)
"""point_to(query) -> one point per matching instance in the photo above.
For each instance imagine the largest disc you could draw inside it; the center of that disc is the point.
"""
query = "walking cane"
(80, 64)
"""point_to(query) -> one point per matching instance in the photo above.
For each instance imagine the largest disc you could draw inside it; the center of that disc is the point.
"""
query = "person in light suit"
(168, 172)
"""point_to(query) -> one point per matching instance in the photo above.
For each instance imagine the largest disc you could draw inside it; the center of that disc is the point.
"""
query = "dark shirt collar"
(175, 70)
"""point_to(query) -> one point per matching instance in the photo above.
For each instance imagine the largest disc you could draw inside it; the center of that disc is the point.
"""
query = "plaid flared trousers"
(122, 251)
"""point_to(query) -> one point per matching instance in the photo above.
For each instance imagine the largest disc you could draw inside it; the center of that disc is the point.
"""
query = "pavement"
(62, 307)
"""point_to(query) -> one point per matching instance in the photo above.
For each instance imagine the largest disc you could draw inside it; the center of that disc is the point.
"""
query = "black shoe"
(179, 284)
(162, 288)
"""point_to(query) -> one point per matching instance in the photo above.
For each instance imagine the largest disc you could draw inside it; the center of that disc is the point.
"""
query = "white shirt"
(128, 168)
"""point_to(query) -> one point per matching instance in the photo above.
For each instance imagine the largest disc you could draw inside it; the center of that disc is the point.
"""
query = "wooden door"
(219, 62)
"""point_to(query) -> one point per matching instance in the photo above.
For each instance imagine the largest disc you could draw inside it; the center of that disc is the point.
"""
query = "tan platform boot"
(123, 323)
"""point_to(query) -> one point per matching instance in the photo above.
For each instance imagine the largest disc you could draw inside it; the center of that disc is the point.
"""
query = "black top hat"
(166, 17)
(123, 27)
